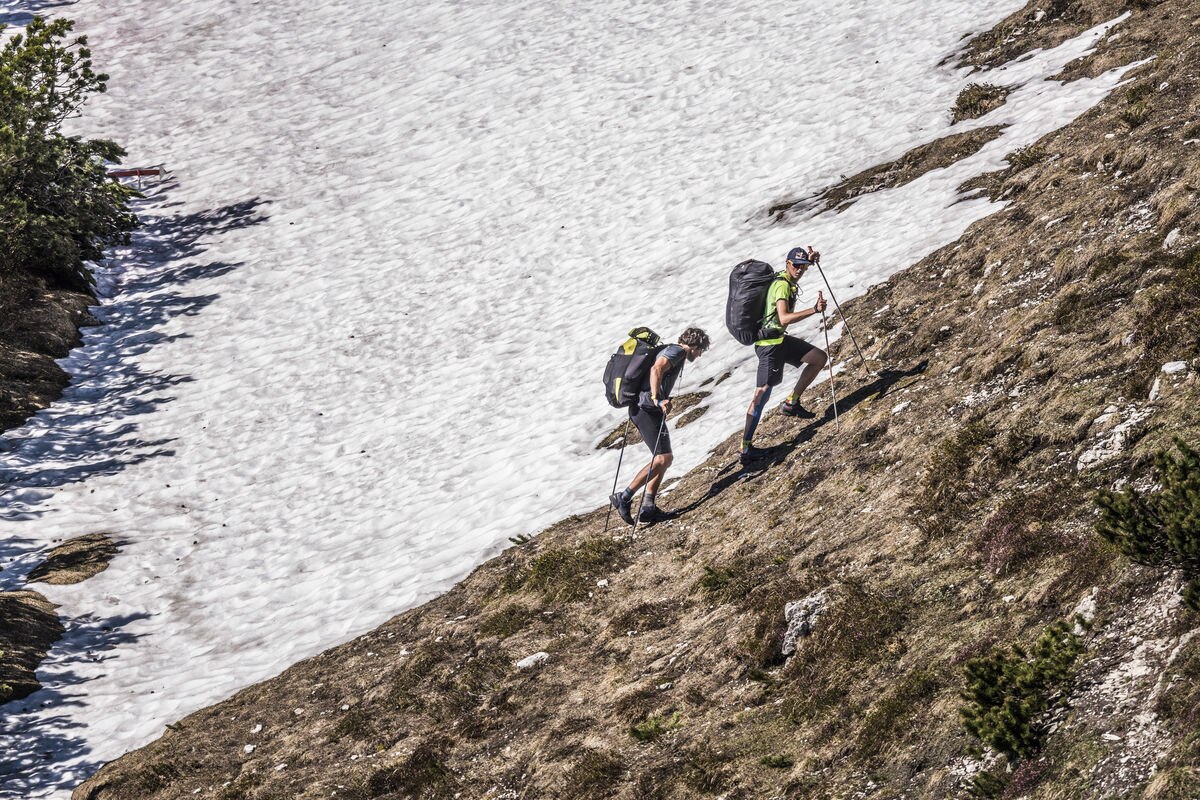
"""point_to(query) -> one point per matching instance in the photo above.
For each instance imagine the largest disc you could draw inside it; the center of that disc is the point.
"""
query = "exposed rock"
(28, 628)
(537, 659)
(38, 324)
(1174, 375)
(800, 616)
(1120, 428)
(75, 560)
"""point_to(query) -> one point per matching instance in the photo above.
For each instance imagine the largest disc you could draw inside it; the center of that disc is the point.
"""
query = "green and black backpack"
(629, 367)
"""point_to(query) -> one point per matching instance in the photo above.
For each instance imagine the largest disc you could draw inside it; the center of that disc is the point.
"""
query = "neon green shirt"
(781, 288)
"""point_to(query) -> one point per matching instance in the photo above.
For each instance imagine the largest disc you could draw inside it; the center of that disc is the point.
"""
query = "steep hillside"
(951, 519)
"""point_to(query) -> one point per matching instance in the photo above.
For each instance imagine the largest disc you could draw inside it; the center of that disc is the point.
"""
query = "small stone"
(248, 749)
(532, 661)
(602, 583)
(256, 729)
(1171, 367)
(1111, 737)
(901, 406)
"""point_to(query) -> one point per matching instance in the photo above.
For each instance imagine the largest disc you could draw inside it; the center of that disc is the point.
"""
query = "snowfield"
(357, 343)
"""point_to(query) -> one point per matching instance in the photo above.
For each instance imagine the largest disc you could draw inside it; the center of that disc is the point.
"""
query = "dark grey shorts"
(772, 357)
(649, 421)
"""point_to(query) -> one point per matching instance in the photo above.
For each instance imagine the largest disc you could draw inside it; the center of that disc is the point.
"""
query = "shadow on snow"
(93, 429)
(35, 745)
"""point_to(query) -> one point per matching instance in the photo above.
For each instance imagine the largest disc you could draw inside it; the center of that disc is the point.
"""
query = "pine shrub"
(58, 207)
(1163, 527)
(1008, 694)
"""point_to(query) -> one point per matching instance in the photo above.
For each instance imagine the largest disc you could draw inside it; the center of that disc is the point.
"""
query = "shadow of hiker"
(884, 381)
(36, 746)
(774, 455)
(92, 428)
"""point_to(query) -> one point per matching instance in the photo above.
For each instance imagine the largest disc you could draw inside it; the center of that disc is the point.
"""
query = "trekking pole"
(832, 392)
(845, 324)
(650, 471)
(617, 477)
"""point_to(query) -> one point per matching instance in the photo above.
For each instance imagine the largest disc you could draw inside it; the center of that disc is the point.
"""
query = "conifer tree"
(58, 207)
(1162, 527)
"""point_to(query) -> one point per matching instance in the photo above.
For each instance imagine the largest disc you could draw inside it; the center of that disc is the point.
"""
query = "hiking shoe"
(751, 455)
(653, 514)
(795, 410)
(622, 506)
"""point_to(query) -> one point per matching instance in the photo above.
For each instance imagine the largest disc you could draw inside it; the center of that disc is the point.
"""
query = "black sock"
(648, 501)
(626, 495)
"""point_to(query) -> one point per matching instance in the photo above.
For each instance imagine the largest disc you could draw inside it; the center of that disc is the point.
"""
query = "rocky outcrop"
(75, 560)
(29, 626)
(38, 324)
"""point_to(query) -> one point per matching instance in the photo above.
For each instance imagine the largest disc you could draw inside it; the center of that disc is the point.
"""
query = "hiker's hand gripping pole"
(832, 391)
(838, 306)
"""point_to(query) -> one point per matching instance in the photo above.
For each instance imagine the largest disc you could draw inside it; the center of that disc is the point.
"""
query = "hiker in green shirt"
(775, 352)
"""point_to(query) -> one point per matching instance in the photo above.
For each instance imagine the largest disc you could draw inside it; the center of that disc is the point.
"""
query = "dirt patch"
(75, 560)
(28, 628)
(912, 165)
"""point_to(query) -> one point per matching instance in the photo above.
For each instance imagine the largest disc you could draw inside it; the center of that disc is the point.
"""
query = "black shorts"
(649, 421)
(772, 357)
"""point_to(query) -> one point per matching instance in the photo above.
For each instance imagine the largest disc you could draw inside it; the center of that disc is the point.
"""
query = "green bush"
(58, 207)
(1008, 694)
(1162, 527)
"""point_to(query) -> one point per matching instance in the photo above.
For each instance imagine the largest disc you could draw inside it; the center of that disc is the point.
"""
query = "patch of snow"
(1170, 239)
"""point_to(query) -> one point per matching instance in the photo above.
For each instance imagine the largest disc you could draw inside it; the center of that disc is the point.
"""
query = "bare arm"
(788, 317)
(661, 365)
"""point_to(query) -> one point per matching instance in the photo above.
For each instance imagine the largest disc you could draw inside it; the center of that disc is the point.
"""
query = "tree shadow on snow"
(26, 11)
(93, 428)
(36, 746)
(772, 456)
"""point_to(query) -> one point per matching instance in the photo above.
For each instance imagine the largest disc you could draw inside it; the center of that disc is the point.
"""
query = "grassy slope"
(942, 529)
